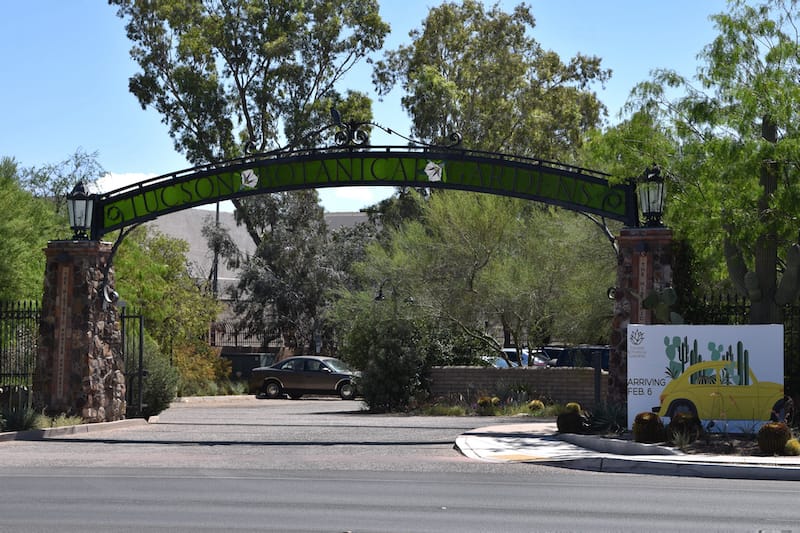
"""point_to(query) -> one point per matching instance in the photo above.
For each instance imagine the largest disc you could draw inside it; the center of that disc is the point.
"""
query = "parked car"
(513, 359)
(707, 391)
(578, 356)
(301, 375)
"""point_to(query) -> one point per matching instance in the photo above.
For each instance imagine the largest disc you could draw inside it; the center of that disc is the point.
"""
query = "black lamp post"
(652, 191)
(80, 205)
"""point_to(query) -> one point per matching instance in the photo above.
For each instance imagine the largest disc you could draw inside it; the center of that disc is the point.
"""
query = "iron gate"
(19, 336)
(132, 326)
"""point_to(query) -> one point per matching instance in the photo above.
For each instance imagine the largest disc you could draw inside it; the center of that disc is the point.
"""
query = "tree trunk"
(764, 310)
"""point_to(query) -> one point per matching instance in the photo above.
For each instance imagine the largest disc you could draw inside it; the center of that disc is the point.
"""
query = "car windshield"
(337, 366)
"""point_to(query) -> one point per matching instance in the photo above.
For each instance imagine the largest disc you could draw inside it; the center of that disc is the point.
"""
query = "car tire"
(295, 396)
(782, 411)
(681, 406)
(347, 391)
(272, 389)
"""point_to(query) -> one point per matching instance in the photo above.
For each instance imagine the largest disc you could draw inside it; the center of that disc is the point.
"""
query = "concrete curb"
(666, 467)
(616, 446)
(41, 434)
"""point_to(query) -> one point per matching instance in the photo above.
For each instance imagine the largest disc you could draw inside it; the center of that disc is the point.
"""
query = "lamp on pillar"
(651, 190)
(80, 205)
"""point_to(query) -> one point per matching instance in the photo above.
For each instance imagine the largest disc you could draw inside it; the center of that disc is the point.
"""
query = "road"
(323, 465)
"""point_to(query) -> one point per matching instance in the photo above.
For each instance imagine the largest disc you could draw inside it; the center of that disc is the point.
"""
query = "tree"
(237, 76)
(474, 258)
(27, 224)
(55, 180)
(735, 186)
(281, 289)
(153, 276)
(479, 73)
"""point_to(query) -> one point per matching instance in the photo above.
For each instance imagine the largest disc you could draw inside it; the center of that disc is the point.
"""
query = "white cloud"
(113, 181)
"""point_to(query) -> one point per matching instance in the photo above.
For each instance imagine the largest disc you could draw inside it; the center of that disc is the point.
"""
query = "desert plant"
(792, 447)
(535, 406)
(773, 436)
(487, 405)
(683, 428)
(608, 418)
(648, 428)
(572, 419)
(19, 419)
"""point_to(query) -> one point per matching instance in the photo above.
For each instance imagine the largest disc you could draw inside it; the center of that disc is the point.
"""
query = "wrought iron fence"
(132, 325)
(19, 337)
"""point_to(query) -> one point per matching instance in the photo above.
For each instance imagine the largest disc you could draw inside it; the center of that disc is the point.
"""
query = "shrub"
(773, 436)
(536, 405)
(648, 428)
(684, 427)
(393, 370)
(792, 447)
(573, 407)
(160, 384)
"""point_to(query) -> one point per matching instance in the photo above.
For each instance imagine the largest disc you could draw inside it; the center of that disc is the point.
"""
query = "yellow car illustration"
(709, 391)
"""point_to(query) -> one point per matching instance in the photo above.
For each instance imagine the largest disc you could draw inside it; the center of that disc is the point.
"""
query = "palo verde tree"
(734, 168)
(479, 73)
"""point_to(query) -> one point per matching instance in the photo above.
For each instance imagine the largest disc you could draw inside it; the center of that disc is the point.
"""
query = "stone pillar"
(644, 265)
(79, 370)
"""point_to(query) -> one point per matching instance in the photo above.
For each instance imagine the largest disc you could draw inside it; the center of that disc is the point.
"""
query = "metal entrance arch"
(548, 182)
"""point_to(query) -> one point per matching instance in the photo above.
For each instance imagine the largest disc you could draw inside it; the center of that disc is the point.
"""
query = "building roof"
(188, 224)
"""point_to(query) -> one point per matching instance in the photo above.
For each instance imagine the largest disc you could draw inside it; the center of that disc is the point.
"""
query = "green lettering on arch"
(505, 175)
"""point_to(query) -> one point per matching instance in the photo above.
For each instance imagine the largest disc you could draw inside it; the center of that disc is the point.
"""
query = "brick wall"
(562, 385)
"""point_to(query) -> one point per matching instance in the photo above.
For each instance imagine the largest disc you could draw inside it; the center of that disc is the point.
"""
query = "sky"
(65, 65)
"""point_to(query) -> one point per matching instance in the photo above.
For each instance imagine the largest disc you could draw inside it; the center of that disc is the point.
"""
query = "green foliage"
(43, 421)
(236, 74)
(728, 143)
(773, 436)
(648, 428)
(160, 385)
(27, 224)
(572, 407)
(479, 73)
(392, 368)
(200, 368)
(152, 274)
(283, 285)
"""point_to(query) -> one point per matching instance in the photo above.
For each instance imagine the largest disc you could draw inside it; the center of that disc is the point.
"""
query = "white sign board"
(731, 377)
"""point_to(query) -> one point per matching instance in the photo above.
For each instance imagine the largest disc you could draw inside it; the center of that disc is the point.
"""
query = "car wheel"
(782, 411)
(272, 389)
(682, 406)
(347, 391)
(295, 396)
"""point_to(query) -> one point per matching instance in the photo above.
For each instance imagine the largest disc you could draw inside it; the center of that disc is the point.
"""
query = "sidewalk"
(541, 443)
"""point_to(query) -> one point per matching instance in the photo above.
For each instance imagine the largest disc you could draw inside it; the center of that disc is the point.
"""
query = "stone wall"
(562, 384)
(79, 370)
